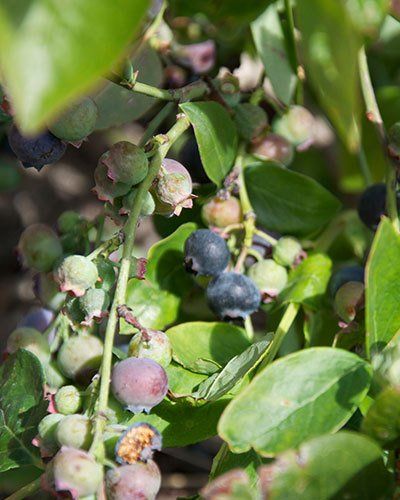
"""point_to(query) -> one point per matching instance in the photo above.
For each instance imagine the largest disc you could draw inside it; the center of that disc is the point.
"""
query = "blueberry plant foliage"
(268, 312)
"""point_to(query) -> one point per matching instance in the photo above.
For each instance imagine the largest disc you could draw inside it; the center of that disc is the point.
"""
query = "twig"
(26, 490)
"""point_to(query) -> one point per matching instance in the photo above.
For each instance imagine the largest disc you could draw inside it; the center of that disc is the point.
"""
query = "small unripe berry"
(126, 163)
(77, 472)
(232, 295)
(80, 356)
(348, 299)
(36, 151)
(105, 188)
(344, 275)
(251, 120)
(206, 253)
(77, 122)
(46, 290)
(273, 147)
(296, 125)
(94, 304)
(200, 57)
(74, 431)
(38, 318)
(286, 251)
(68, 222)
(139, 384)
(106, 274)
(372, 205)
(221, 213)
(31, 340)
(394, 140)
(269, 277)
(39, 247)
(148, 205)
(68, 400)
(172, 189)
(54, 378)
(136, 481)
(47, 431)
(151, 344)
(76, 274)
(137, 443)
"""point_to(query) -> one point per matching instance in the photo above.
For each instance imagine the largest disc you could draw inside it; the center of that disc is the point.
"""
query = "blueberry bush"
(268, 313)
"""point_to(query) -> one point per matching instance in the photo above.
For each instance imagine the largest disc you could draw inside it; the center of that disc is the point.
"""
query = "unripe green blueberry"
(394, 140)
(152, 344)
(94, 304)
(269, 277)
(68, 400)
(348, 299)
(148, 205)
(39, 247)
(172, 189)
(80, 356)
(30, 339)
(273, 147)
(221, 213)
(69, 222)
(47, 431)
(286, 251)
(250, 120)
(296, 125)
(74, 431)
(106, 274)
(77, 472)
(46, 290)
(54, 378)
(135, 481)
(105, 188)
(125, 163)
(77, 122)
(76, 274)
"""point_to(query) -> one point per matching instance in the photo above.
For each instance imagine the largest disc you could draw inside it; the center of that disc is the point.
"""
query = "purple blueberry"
(372, 205)
(36, 151)
(139, 384)
(136, 481)
(38, 318)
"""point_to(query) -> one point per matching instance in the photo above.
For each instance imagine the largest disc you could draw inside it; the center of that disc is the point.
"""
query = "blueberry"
(348, 300)
(76, 274)
(152, 344)
(125, 163)
(139, 384)
(344, 275)
(372, 205)
(75, 431)
(31, 340)
(206, 253)
(233, 295)
(39, 247)
(38, 318)
(36, 151)
(80, 356)
(47, 431)
(225, 486)
(273, 147)
(135, 481)
(286, 251)
(68, 400)
(221, 213)
(77, 122)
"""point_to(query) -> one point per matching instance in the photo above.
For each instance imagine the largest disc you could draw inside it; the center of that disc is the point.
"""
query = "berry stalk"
(164, 143)
(374, 115)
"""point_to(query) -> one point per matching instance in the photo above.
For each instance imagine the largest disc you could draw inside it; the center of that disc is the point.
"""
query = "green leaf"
(223, 10)
(271, 46)
(154, 308)
(21, 408)
(51, 53)
(219, 384)
(181, 423)
(216, 137)
(345, 465)
(382, 422)
(308, 281)
(300, 396)
(165, 261)
(217, 343)
(118, 105)
(382, 294)
(182, 381)
(367, 15)
(225, 461)
(288, 202)
(330, 47)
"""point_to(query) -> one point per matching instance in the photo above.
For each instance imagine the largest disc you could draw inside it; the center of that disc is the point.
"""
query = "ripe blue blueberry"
(139, 384)
(36, 151)
(232, 295)
(206, 253)
(372, 205)
(344, 275)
